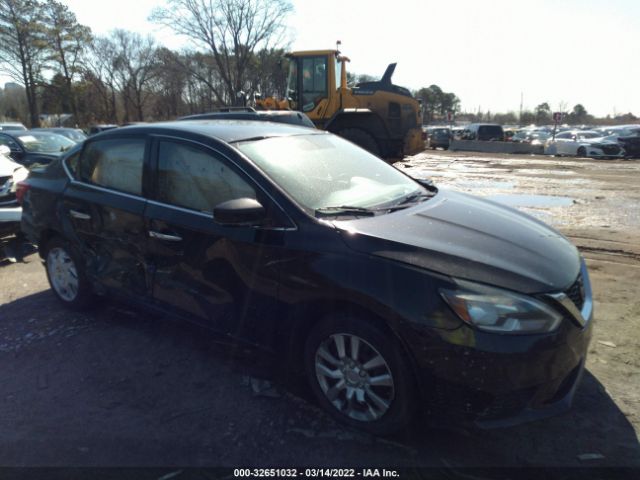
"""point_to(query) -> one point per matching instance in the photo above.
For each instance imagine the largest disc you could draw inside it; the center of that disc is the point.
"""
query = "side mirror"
(4, 150)
(240, 211)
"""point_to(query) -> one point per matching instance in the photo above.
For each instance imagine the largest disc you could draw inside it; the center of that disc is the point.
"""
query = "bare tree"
(98, 70)
(67, 41)
(23, 47)
(135, 64)
(168, 86)
(268, 73)
(232, 31)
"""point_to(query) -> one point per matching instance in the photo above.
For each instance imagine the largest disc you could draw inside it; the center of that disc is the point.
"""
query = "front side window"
(115, 163)
(584, 135)
(194, 178)
(292, 85)
(338, 70)
(314, 82)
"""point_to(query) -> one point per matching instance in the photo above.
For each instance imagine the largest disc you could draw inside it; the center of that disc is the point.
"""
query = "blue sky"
(487, 52)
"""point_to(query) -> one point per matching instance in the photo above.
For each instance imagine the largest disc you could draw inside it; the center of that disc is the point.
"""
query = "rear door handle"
(79, 215)
(164, 236)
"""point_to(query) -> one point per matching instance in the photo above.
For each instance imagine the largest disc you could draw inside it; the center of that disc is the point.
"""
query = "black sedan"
(390, 295)
(32, 147)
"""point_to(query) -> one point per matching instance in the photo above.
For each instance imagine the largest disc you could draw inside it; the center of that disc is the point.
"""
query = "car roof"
(292, 117)
(21, 133)
(13, 133)
(53, 129)
(226, 130)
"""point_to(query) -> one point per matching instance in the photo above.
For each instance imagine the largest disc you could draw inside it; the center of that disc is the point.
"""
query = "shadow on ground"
(120, 387)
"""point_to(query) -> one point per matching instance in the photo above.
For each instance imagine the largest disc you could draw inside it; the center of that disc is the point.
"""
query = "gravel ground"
(121, 387)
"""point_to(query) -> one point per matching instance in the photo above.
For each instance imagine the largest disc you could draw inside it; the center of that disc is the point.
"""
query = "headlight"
(500, 311)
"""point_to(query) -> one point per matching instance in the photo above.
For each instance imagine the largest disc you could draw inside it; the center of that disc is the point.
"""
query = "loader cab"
(313, 80)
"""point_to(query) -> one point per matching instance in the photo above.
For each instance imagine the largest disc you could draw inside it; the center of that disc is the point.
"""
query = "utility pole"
(521, 101)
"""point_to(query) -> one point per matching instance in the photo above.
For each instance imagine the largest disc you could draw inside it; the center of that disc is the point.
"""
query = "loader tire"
(361, 138)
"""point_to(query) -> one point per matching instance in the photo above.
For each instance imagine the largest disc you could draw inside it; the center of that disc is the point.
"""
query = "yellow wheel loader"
(379, 116)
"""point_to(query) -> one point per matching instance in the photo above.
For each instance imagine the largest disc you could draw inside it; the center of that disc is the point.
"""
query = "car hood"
(470, 238)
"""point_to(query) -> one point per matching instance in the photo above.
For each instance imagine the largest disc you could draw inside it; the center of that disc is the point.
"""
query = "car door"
(224, 276)
(562, 141)
(103, 209)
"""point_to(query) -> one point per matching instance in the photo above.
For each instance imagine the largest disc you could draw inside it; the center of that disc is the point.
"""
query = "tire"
(383, 394)
(361, 138)
(66, 275)
(582, 152)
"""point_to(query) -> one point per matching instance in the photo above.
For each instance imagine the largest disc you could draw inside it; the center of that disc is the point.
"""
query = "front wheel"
(360, 375)
(66, 275)
(582, 152)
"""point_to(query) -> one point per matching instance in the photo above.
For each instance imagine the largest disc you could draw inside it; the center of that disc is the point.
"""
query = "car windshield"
(39, 142)
(324, 171)
(73, 135)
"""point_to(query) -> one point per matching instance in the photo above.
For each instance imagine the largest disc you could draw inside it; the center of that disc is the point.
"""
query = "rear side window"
(115, 163)
(194, 178)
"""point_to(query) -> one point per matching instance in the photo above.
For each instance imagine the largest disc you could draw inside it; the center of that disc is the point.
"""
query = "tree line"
(543, 115)
(62, 67)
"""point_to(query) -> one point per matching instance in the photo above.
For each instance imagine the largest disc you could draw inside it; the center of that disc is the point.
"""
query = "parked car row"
(11, 173)
(603, 142)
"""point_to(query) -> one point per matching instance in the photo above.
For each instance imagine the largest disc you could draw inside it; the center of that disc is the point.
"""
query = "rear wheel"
(66, 275)
(361, 138)
(359, 375)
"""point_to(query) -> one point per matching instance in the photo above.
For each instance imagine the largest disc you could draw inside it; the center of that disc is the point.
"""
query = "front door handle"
(79, 215)
(164, 236)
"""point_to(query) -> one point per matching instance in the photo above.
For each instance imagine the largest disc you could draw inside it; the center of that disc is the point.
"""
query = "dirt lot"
(122, 387)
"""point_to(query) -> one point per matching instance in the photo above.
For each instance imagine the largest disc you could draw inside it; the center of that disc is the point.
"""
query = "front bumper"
(595, 152)
(10, 214)
(501, 380)
(10, 220)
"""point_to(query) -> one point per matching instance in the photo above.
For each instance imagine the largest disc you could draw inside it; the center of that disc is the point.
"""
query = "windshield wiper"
(412, 199)
(344, 210)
